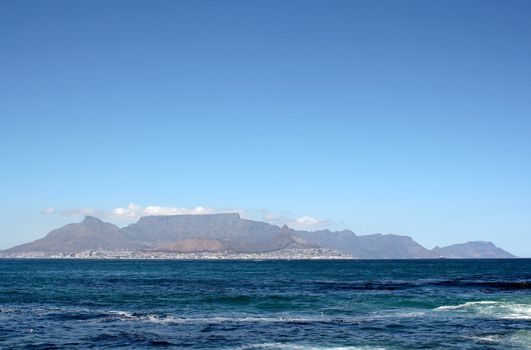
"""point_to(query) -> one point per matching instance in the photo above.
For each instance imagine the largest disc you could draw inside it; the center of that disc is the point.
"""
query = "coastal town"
(284, 254)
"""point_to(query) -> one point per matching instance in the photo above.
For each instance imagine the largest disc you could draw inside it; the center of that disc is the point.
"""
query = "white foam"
(487, 338)
(128, 316)
(518, 338)
(168, 319)
(124, 314)
(465, 305)
(195, 320)
(287, 346)
(521, 338)
(500, 310)
(519, 311)
(408, 314)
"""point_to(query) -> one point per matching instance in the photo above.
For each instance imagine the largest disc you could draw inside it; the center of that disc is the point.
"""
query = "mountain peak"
(91, 219)
(481, 243)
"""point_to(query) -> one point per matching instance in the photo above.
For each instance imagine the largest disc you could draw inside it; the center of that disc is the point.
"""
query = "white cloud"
(157, 210)
(133, 212)
(308, 220)
(301, 223)
(309, 223)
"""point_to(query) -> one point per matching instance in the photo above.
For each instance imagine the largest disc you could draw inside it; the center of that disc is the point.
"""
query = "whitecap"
(487, 308)
(486, 338)
(288, 346)
(124, 314)
(465, 305)
(155, 318)
(169, 319)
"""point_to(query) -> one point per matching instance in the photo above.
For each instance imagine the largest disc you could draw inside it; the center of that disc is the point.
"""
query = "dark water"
(445, 304)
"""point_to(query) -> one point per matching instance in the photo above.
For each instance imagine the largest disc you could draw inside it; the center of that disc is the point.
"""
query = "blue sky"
(406, 117)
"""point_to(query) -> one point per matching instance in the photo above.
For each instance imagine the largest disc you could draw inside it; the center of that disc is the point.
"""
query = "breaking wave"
(155, 318)
(495, 309)
(287, 346)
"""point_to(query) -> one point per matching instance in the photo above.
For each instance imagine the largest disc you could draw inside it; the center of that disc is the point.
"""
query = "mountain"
(477, 249)
(179, 233)
(375, 246)
(231, 234)
(90, 234)
(229, 230)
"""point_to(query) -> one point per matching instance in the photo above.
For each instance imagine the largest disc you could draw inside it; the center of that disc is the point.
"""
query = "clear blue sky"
(406, 117)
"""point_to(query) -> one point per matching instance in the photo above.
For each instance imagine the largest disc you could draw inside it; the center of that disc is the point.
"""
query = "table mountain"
(232, 232)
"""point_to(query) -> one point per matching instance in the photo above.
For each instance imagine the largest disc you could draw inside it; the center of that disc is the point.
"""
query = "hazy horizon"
(411, 118)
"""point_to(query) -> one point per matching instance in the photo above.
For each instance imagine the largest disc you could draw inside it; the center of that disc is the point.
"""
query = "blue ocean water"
(429, 304)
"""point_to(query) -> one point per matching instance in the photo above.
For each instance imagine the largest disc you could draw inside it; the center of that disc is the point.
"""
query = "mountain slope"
(230, 230)
(375, 246)
(477, 249)
(90, 234)
(191, 245)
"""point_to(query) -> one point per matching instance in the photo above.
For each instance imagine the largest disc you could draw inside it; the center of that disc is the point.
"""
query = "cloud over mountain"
(133, 212)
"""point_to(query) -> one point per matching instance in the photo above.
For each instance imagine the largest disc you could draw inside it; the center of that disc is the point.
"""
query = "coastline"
(286, 254)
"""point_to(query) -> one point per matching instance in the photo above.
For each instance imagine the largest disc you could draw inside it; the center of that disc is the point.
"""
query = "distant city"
(284, 254)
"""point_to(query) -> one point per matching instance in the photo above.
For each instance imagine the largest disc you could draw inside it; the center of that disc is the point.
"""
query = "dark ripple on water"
(46, 304)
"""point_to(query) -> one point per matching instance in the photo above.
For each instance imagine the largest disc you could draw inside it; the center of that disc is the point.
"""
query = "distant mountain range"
(232, 234)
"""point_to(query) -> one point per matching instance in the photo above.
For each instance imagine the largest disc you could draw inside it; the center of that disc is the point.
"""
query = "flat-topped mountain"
(232, 234)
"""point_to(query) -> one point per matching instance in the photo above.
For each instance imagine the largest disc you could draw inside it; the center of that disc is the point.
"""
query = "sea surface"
(423, 304)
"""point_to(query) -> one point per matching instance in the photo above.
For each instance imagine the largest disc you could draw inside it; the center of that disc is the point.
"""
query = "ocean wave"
(496, 309)
(465, 305)
(101, 315)
(288, 346)
(521, 338)
(518, 338)
(490, 339)
(168, 319)
(323, 319)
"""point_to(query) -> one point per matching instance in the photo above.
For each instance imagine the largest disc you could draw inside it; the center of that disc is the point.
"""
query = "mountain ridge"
(472, 249)
(228, 232)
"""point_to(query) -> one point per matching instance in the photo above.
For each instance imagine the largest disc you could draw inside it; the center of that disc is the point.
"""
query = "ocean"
(356, 304)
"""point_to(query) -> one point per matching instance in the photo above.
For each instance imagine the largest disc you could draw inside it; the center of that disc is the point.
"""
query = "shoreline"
(195, 259)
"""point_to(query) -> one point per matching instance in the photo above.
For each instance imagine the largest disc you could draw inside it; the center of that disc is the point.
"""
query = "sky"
(404, 117)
